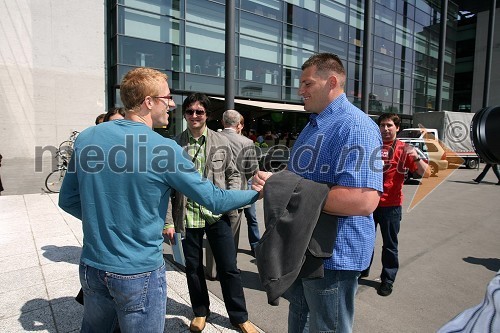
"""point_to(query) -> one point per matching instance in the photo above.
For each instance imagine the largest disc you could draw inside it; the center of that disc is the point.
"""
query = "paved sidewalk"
(40, 247)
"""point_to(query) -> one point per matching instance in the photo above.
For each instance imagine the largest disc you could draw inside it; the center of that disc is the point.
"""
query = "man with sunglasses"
(118, 183)
(211, 154)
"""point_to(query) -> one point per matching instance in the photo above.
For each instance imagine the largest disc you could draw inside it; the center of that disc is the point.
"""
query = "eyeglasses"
(191, 112)
(168, 98)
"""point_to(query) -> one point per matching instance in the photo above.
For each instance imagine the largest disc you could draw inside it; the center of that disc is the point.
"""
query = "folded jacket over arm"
(298, 235)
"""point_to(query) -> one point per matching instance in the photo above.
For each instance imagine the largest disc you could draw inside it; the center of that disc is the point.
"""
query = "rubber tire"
(54, 180)
(472, 163)
(66, 149)
(434, 169)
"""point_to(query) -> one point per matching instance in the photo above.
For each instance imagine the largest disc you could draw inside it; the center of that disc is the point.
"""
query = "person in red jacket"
(397, 157)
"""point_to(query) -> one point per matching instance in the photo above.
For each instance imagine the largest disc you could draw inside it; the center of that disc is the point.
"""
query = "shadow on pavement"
(368, 283)
(251, 280)
(493, 264)
(69, 254)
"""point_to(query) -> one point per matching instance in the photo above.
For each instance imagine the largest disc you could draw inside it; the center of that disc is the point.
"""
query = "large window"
(165, 7)
(333, 28)
(268, 8)
(135, 23)
(300, 38)
(301, 17)
(210, 39)
(295, 57)
(186, 39)
(260, 27)
(144, 53)
(205, 13)
(205, 62)
(254, 70)
(259, 49)
(333, 10)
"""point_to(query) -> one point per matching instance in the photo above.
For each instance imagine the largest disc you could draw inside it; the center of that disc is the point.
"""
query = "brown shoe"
(198, 324)
(247, 327)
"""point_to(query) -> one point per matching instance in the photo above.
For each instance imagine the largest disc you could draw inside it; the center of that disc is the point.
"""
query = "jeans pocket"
(129, 291)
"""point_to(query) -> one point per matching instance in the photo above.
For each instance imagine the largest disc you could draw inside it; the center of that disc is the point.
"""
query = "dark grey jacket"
(298, 235)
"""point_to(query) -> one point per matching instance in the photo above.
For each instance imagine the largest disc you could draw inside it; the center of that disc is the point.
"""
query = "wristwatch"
(417, 159)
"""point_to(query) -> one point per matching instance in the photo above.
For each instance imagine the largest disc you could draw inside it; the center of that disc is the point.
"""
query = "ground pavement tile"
(59, 271)
(19, 261)
(67, 314)
(13, 303)
(21, 278)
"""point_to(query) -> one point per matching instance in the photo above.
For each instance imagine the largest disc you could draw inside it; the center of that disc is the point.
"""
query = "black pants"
(485, 171)
(221, 241)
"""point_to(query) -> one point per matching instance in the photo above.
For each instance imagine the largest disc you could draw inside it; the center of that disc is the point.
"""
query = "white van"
(419, 133)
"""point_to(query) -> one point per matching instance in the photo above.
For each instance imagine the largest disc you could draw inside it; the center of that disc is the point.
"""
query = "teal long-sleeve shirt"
(118, 183)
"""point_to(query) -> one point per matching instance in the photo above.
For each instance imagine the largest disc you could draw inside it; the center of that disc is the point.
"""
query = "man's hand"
(410, 151)
(259, 180)
(423, 169)
(170, 232)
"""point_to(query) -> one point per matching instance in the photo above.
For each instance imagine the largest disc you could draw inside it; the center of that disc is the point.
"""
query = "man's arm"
(341, 200)
(423, 169)
(351, 201)
(69, 196)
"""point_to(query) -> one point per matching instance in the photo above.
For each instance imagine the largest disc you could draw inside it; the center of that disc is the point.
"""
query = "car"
(432, 148)
(410, 175)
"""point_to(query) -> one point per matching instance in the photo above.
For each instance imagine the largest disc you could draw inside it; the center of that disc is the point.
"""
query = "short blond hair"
(139, 83)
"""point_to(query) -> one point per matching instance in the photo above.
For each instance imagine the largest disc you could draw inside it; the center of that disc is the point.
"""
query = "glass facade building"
(186, 40)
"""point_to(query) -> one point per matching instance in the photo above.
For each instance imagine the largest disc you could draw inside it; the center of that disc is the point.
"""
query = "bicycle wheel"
(54, 180)
(66, 149)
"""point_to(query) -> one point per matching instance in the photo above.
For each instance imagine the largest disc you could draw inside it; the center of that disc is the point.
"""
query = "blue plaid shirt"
(341, 146)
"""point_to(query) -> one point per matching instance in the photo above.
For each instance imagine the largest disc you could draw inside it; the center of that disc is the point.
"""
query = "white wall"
(480, 62)
(52, 71)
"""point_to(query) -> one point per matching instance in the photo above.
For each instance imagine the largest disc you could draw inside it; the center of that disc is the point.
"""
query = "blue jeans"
(389, 221)
(323, 305)
(252, 223)
(137, 302)
(253, 226)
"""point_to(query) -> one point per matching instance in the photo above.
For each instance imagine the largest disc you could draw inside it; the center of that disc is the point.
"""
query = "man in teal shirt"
(118, 183)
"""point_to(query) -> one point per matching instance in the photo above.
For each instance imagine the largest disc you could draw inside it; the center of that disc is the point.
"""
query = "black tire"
(472, 163)
(54, 180)
(434, 169)
(66, 149)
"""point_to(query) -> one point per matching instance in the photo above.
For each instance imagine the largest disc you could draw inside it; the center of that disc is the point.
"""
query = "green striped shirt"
(197, 215)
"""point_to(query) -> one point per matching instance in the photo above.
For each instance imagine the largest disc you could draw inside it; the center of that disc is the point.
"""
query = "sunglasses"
(191, 112)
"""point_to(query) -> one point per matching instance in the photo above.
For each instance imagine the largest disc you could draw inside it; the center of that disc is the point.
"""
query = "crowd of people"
(212, 180)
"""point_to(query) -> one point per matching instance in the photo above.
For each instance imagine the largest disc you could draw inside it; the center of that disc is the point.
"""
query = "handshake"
(259, 180)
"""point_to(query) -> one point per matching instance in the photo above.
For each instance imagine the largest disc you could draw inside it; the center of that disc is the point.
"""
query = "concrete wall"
(480, 62)
(52, 75)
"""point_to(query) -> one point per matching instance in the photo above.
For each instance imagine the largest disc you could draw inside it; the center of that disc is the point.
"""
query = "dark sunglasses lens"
(198, 112)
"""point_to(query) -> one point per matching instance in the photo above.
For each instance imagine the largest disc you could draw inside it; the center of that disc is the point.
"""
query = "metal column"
(230, 55)
(367, 61)
(442, 49)
(489, 52)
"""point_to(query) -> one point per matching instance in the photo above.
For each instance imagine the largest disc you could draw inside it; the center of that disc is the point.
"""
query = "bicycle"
(54, 180)
(66, 147)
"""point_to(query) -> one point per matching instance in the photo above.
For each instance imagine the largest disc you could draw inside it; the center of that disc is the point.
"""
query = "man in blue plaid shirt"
(341, 146)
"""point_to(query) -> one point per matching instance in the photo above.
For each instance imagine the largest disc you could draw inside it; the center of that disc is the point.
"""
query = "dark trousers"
(235, 219)
(485, 171)
(221, 241)
(389, 221)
